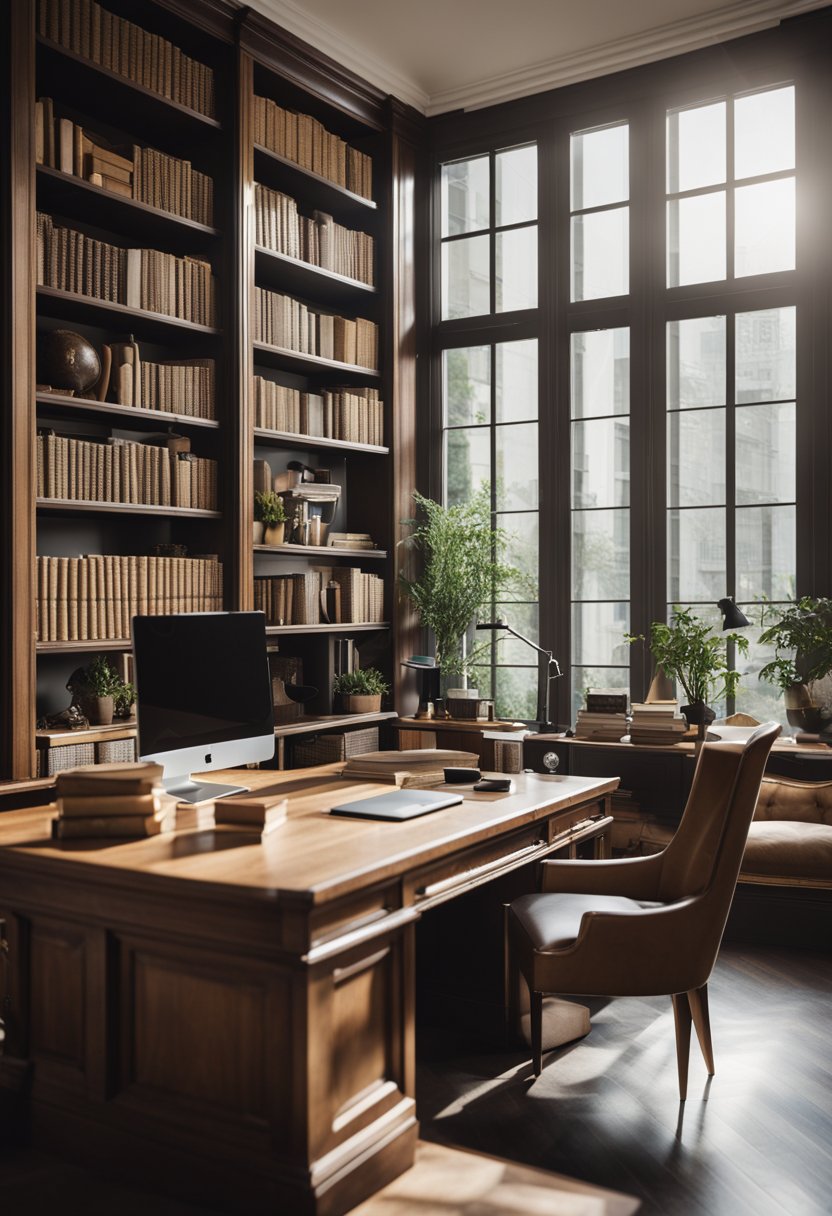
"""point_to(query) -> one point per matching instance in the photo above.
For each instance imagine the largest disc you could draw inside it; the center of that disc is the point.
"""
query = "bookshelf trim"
(340, 627)
(295, 360)
(83, 645)
(105, 409)
(281, 167)
(94, 506)
(310, 725)
(289, 550)
(121, 311)
(274, 269)
(295, 440)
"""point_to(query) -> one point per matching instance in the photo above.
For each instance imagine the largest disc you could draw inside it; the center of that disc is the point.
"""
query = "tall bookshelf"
(247, 57)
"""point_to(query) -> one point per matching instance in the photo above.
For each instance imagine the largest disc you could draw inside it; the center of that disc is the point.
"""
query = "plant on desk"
(361, 690)
(689, 652)
(98, 689)
(802, 640)
(270, 514)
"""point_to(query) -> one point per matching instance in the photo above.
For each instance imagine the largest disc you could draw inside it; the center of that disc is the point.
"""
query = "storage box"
(52, 760)
(115, 750)
(331, 749)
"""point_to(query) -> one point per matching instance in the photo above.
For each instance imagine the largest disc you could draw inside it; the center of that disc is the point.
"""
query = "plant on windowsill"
(802, 640)
(360, 691)
(270, 514)
(462, 574)
(689, 652)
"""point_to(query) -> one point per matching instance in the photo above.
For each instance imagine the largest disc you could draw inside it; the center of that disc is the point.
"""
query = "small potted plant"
(689, 652)
(94, 688)
(124, 698)
(270, 513)
(802, 640)
(360, 691)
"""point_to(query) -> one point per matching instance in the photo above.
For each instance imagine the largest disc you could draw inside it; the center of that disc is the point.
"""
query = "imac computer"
(203, 696)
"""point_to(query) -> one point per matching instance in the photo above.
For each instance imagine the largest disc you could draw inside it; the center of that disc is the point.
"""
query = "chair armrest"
(635, 877)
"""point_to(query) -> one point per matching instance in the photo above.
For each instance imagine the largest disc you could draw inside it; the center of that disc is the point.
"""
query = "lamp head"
(732, 617)
(500, 623)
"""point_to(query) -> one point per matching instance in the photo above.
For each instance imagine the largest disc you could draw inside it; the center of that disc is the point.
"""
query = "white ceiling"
(441, 55)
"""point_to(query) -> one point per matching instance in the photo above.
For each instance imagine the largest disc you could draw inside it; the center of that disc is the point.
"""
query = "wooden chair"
(647, 926)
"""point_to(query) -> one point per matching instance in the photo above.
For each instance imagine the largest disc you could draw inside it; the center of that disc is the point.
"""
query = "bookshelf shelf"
(286, 551)
(282, 273)
(311, 188)
(73, 197)
(341, 627)
(142, 107)
(331, 722)
(70, 506)
(288, 439)
(154, 420)
(124, 728)
(83, 647)
(312, 365)
(70, 306)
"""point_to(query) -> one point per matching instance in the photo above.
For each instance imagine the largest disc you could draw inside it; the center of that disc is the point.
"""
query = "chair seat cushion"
(788, 849)
(552, 921)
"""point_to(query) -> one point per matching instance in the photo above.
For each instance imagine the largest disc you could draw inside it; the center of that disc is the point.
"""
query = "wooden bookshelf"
(318, 722)
(282, 273)
(155, 326)
(310, 188)
(321, 551)
(341, 627)
(132, 415)
(287, 439)
(282, 359)
(83, 647)
(75, 506)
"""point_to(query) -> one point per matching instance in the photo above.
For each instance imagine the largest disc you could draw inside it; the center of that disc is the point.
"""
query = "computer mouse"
(499, 785)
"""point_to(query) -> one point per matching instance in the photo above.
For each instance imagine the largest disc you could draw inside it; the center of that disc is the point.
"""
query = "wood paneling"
(58, 980)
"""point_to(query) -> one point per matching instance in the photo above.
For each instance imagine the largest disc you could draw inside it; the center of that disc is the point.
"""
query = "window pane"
(516, 473)
(764, 228)
(466, 385)
(696, 555)
(696, 458)
(522, 550)
(766, 453)
(598, 633)
(516, 381)
(601, 254)
(467, 462)
(465, 196)
(696, 147)
(766, 355)
(516, 269)
(764, 133)
(516, 693)
(600, 167)
(515, 185)
(600, 373)
(696, 239)
(465, 278)
(695, 362)
(765, 552)
(525, 619)
(596, 677)
(757, 697)
(601, 555)
(601, 463)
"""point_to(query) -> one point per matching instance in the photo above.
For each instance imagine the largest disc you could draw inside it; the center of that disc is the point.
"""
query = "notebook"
(398, 804)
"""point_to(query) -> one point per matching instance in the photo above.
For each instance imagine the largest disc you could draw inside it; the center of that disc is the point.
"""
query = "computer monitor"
(203, 696)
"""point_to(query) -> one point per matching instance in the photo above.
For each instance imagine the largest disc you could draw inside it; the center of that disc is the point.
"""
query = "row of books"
(318, 239)
(304, 140)
(284, 321)
(87, 29)
(183, 387)
(119, 470)
(95, 597)
(140, 278)
(351, 415)
(335, 595)
(139, 173)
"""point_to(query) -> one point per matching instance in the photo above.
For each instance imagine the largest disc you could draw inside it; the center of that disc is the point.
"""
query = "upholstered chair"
(647, 926)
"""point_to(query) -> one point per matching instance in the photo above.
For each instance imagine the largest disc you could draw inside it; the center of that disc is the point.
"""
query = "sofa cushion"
(788, 849)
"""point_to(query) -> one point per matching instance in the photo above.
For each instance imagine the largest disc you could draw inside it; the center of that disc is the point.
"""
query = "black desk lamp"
(544, 722)
(732, 617)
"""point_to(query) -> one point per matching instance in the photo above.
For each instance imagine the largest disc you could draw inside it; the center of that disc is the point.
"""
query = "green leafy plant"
(692, 654)
(802, 640)
(98, 679)
(124, 697)
(365, 681)
(269, 508)
(463, 572)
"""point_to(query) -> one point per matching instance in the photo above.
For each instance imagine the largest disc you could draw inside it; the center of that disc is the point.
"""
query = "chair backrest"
(706, 852)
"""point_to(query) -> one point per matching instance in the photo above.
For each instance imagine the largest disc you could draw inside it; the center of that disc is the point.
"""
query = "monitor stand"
(186, 789)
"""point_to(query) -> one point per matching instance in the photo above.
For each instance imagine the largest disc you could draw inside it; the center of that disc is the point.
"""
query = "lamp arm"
(540, 649)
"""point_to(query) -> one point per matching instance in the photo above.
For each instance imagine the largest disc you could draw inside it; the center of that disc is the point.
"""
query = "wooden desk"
(236, 1019)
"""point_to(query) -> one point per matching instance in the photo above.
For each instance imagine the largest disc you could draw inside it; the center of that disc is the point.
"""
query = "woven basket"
(115, 749)
(55, 759)
(330, 749)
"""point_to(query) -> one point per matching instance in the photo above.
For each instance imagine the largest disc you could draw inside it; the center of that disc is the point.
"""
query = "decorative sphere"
(67, 360)
(551, 760)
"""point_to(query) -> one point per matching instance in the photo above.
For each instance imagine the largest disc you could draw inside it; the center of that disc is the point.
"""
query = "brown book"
(99, 805)
(116, 187)
(121, 826)
(96, 163)
(257, 811)
(117, 778)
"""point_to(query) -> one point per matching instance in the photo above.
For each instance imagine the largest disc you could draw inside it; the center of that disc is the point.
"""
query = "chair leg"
(682, 1019)
(698, 1001)
(536, 1018)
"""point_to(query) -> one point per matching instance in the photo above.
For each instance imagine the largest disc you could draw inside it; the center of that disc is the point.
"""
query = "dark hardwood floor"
(755, 1141)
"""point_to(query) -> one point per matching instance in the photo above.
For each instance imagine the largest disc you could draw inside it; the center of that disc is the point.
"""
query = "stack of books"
(317, 239)
(258, 812)
(282, 321)
(304, 140)
(121, 800)
(658, 723)
(354, 415)
(605, 718)
(418, 768)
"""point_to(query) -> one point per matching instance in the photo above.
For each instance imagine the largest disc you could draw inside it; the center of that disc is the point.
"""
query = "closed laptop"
(398, 804)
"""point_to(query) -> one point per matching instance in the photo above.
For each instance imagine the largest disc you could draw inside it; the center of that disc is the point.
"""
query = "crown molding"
(659, 42)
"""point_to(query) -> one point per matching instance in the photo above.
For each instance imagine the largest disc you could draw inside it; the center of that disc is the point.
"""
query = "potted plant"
(124, 698)
(802, 640)
(94, 688)
(462, 574)
(689, 652)
(270, 512)
(361, 690)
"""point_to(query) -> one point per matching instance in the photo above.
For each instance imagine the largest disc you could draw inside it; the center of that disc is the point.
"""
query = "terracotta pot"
(257, 530)
(99, 710)
(273, 534)
(361, 703)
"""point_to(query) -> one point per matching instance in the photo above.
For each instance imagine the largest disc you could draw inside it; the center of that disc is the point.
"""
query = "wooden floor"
(756, 1141)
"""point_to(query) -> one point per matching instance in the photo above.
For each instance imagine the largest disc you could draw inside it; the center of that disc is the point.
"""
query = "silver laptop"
(398, 804)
